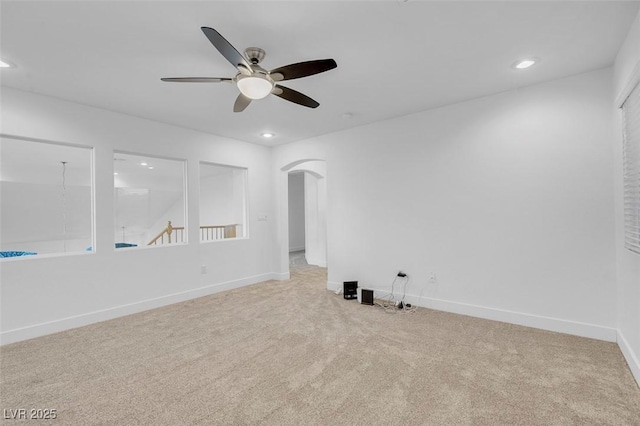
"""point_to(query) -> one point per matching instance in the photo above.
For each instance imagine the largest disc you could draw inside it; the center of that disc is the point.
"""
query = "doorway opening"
(305, 242)
(297, 219)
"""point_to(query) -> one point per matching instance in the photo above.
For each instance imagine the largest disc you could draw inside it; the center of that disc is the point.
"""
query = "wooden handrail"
(168, 230)
(216, 232)
(152, 242)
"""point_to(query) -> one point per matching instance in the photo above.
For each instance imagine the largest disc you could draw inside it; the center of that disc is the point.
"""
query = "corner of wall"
(630, 356)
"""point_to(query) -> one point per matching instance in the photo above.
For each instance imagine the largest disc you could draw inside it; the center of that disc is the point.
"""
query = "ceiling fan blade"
(294, 96)
(196, 79)
(227, 50)
(242, 102)
(302, 69)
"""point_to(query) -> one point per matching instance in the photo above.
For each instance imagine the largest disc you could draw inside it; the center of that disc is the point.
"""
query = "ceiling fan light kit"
(255, 86)
(253, 81)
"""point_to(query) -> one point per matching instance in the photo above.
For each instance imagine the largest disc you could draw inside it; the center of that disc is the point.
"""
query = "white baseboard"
(630, 356)
(528, 320)
(37, 330)
(280, 276)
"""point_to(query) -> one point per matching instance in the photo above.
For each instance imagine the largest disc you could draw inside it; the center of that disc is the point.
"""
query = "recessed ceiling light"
(143, 164)
(150, 167)
(525, 63)
(115, 173)
(5, 64)
(268, 135)
(347, 115)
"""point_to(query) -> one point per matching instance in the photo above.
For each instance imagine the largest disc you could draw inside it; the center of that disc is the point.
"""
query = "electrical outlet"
(203, 269)
(432, 278)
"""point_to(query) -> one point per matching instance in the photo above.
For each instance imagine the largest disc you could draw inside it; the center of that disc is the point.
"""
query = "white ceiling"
(394, 57)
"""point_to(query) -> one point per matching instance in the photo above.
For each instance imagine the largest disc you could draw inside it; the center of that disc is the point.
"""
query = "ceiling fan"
(253, 81)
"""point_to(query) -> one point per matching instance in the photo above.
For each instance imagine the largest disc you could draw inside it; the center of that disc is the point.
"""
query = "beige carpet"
(293, 353)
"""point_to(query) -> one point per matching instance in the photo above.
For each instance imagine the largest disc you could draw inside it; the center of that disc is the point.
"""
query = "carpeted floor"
(293, 353)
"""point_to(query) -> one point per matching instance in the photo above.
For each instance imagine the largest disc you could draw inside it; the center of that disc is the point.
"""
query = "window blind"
(631, 167)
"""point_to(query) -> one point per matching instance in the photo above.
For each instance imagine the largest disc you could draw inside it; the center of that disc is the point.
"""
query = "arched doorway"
(311, 174)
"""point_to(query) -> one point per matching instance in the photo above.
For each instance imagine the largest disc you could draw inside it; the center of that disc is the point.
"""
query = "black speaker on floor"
(350, 289)
(366, 296)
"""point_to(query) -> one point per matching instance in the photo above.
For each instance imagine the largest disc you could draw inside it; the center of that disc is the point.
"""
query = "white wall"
(296, 211)
(48, 294)
(315, 212)
(508, 199)
(626, 74)
(34, 219)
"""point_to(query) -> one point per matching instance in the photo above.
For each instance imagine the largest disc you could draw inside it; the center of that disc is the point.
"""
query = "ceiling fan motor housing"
(254, 54)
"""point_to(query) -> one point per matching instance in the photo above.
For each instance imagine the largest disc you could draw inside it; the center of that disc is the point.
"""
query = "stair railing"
(175, 234)
(168, 234)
